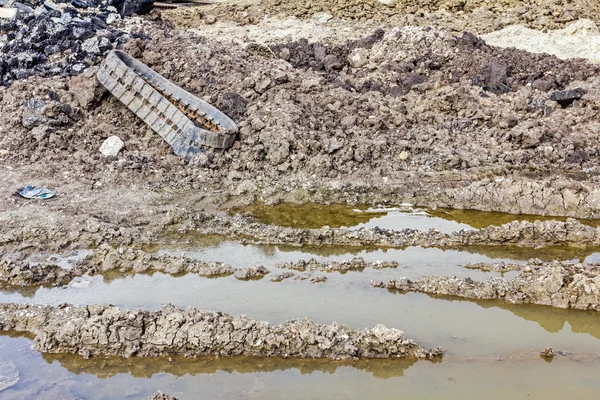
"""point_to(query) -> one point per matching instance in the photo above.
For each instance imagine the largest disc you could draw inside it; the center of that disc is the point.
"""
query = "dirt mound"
(480, 16)
(388, 109)
(581, 39)
(105, 330)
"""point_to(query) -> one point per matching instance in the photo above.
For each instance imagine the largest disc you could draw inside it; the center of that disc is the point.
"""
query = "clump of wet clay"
(494, 267)
(251, 273)
(560, 284)
(127, 259)
(356, 264)
(282, 276)
(23, 273)
(98, 330)
(161, 396)
(547, 353)
(520, 233)
(107, 258)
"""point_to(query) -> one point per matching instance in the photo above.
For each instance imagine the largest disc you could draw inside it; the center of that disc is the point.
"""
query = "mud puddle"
(346, 298)
(67, 376)
(314, 216)
(244, 255)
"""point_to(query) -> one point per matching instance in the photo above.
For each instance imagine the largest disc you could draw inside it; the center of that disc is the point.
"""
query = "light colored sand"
(581, 39)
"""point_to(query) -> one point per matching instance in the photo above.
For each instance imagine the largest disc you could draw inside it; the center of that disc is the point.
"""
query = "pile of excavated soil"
(404, 101)
(480, 16)
(580, 39)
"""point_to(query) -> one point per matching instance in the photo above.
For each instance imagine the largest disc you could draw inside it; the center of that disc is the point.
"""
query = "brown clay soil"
(425, 113)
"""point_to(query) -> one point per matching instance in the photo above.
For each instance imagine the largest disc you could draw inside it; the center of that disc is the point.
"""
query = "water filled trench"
(491, 346)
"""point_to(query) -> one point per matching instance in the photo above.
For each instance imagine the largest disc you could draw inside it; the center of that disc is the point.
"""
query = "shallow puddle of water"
(474, 333)
(463, 327)
(244, 255)
(312, 215)
(68, 376)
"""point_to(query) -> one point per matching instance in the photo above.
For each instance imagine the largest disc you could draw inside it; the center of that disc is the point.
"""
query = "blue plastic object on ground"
(34, 192)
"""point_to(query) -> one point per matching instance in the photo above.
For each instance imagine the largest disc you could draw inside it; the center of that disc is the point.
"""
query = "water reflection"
(314, 215)
(105, 367)
(551, 319)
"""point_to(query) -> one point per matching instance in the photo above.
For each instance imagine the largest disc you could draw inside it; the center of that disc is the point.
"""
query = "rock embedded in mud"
(251, 273)
(547, 353)
(104, 330)
(282, 276)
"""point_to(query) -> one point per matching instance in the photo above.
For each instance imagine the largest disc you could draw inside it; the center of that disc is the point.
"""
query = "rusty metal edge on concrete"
(165, 107)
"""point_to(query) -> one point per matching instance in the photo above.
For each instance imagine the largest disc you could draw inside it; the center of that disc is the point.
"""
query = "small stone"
(349, 120)
(113, 18)
(547, 353)
(403, 156)
(331, 62)
(566, 97)
(112, 146)
(257, 124)
(210, 19)
(262, 85)
(359, 57)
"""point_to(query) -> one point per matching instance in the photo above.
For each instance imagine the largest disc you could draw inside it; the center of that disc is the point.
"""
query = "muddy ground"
(105, 330)
(407, 108)
(557, 284)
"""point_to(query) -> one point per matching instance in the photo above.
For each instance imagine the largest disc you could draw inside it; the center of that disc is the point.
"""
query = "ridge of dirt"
(560, 284)
(480, 16)
(97, 330)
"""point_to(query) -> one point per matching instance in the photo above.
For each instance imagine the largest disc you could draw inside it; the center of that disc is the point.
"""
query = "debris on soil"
(560, 284)
(98, 330)
(184, 121)
(251, 273)
(34, 192)
(111, 146)
(356, 264)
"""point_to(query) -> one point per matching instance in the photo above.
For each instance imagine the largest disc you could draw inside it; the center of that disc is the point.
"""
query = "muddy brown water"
(491, 347)
(311, 215)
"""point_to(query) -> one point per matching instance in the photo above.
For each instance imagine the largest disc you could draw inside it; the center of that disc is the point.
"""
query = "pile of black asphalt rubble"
(61, 37)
